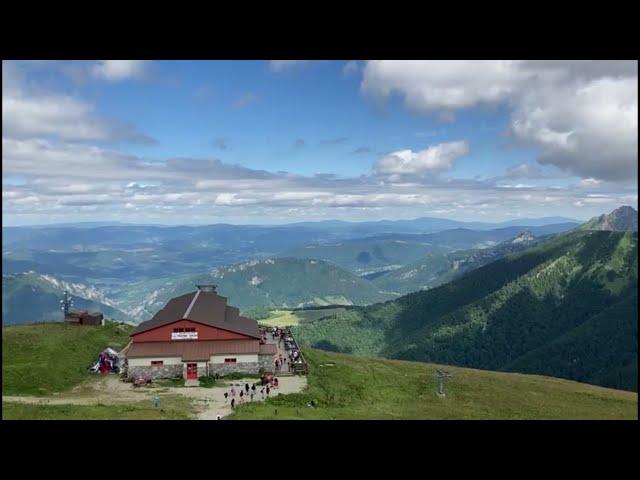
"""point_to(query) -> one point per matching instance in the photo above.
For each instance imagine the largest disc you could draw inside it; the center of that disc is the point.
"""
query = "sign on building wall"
(184, 335)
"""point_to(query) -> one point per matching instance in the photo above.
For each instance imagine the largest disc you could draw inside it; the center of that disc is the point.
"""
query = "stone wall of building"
(226, 368)
(266, 362)
(165, 371)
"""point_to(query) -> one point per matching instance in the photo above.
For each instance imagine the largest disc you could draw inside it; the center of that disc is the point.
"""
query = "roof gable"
(207, 308)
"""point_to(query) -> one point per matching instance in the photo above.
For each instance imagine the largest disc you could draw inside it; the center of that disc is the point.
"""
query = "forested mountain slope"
(565, 308)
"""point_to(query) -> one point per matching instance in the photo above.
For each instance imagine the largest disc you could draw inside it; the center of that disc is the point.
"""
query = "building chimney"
(207, 288)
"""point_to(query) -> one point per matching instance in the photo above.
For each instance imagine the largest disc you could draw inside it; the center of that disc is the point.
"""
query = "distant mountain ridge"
(274, 282)
(30, 297)
(438, 268)
(622, 219)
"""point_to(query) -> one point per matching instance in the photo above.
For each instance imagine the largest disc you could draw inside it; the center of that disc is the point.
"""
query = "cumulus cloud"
(117, 70)
(27, 113)
(582, 115)
(436, 158)
(587, 128)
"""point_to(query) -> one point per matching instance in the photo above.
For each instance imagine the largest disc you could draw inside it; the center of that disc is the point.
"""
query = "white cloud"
(117, 70)
(586, 128)
(441, 85)
(582, 115)
(589, 182)
(33, 112)
(436, 158)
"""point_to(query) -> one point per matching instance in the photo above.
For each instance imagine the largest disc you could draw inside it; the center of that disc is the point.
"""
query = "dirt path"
(110, 390)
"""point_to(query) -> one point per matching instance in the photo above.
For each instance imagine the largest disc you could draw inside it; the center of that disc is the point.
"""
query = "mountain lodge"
(198, 334)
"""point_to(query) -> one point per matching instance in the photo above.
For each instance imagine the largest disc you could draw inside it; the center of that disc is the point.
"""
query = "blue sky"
(89, 141)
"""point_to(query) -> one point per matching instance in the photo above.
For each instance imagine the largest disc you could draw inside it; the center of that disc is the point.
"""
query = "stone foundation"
(223, 369)
(165, 371)
(266, 362)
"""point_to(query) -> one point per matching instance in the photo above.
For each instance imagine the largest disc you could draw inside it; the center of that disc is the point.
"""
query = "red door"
(192, 371)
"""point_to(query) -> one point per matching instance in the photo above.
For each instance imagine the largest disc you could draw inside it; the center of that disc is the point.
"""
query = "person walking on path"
(233, 392)
(226, 395)
(241, 396)
(253, 388)
(233, 403)
(246, 387)
(268, 390)
(262, 393)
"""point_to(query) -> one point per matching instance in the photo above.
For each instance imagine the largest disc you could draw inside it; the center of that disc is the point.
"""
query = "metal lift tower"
(441, 376)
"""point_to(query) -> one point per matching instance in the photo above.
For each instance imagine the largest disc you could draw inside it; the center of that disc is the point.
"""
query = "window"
(157, 363)
(229, 360)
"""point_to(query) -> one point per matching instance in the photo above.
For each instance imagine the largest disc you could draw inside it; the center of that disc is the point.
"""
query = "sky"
(270, 142)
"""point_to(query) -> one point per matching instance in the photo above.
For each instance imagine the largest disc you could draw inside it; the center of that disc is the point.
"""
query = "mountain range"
(566, 307)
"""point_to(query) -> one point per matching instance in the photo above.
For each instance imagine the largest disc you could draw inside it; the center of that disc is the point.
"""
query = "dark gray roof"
(204, 307)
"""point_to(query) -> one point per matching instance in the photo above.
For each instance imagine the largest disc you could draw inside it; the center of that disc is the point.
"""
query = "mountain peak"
(624, 218)
(524, 236)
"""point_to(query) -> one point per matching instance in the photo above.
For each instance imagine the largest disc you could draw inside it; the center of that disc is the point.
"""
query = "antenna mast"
(66, 302)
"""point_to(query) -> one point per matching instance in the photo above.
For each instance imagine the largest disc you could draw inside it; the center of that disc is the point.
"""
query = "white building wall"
(240, 358)
(146, 362)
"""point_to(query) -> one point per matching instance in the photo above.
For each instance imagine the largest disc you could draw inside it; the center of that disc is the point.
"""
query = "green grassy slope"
(372, 388)
(173, 408)
(567, 290)
(53, 357)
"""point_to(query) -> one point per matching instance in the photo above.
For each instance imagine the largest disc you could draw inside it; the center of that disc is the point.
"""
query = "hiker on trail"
(277, 365)
(246, 387)
(233, 403)
(268, 391)
(241, 394)
(226, 395)
(262, 393)
(253, 388)
(233, 392)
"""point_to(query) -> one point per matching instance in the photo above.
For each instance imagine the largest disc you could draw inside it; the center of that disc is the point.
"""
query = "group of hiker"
(247, 393)
(285, 341)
